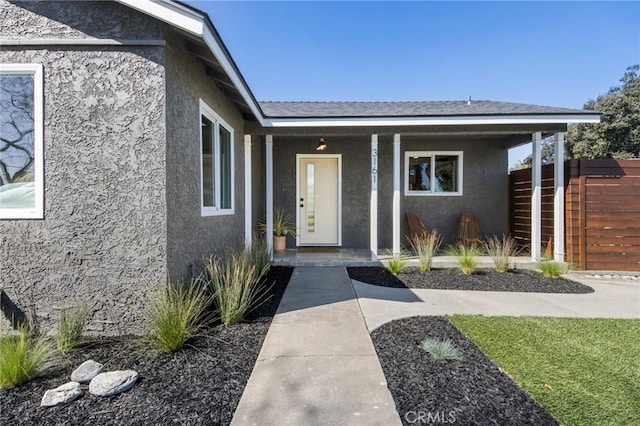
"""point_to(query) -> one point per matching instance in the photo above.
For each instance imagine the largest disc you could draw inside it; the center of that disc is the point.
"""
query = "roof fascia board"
(431, 121)
(170, 13)
(187, 20)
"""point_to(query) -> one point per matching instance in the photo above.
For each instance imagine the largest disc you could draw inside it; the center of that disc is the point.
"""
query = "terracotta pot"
(279, 243)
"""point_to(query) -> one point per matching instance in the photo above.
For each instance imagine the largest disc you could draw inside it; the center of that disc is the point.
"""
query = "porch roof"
(409, 109)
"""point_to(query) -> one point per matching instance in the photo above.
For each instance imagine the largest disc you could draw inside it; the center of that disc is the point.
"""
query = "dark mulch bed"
(470, 392)
(483, 280)
(201, 384)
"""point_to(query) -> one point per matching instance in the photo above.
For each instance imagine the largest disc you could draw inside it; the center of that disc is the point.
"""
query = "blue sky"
(546, 53)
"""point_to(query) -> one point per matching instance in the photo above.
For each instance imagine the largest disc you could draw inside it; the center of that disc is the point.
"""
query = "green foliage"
(22, 358)
(283, 223)
(442, 350)
(177, 313)
(236, 290)
(71, 322)
(618, 134)
(583, 371)
(260, 257)
(396, 263)
(425, 247)
(466, 257)
(501, 251)
(551, 269)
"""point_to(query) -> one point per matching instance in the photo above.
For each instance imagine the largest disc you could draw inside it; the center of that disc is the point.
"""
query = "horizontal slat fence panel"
(602, 212)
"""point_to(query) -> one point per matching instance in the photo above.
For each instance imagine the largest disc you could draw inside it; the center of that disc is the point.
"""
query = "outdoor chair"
(468, 229)
(416, 227)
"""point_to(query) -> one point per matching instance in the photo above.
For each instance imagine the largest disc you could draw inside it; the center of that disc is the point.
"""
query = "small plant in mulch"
(236, 283)
(551, 269)
(442, 350)
(176, 313)
(71, 322)
(501, 251)
(466, 257)
(425, 247)
(23, 357)
(396, 263)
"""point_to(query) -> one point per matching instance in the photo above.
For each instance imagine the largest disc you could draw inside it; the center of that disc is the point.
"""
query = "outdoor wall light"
(321, 145)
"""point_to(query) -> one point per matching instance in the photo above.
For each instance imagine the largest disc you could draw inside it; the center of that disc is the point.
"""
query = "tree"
(16, 128)
(618, 134)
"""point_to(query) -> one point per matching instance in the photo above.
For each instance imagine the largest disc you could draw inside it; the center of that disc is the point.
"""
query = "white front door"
(319, 200)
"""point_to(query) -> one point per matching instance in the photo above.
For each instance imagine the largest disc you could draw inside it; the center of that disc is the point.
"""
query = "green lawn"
(583, 371)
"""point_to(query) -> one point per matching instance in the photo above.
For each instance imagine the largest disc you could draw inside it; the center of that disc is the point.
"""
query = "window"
(21, 142)
(433, 173)
(216, 162)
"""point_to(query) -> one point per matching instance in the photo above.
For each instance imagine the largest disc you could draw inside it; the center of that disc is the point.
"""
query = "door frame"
(298, 226)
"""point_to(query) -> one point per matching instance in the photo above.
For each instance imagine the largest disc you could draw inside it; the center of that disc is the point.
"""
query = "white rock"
(62, 394)
(112, 382)
(87, 371)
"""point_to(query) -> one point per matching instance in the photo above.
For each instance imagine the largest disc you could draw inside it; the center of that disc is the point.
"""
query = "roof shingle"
(406, 109)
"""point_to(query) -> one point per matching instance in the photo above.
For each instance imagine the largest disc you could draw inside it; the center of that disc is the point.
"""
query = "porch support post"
(536, 196)
(396, 194)
(558, 198)
(373, 206)
(248, 212)
(269, 191)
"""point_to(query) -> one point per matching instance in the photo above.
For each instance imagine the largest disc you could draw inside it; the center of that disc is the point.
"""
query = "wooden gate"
(602, 212)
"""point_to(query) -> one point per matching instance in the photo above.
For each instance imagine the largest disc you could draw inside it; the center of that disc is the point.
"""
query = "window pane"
(420, 174)
(17, 153)
(207, 163)
(225, 168)
(311, 197)
(446, 173)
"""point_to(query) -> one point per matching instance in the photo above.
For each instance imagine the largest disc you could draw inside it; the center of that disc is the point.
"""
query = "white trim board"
(431, 121)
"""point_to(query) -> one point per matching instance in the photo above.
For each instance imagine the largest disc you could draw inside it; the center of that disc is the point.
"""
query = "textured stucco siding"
(103, 238)
(191, 236)
(27, 20)
(485, 183)
(485, 190)
(356, 184)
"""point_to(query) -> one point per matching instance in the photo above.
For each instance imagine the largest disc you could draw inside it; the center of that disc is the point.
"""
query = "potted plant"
(282, 226)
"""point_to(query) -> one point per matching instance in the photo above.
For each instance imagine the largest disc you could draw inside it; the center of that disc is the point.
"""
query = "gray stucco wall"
(191, 236)
(23, 20)
(103, 238)
(485, 183)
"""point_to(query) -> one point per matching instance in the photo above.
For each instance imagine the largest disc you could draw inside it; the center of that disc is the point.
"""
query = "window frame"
(37, 70)
(217, 121)
(432, 154)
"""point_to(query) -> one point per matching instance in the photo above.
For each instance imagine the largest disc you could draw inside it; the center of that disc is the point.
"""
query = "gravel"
(201, 384)
(482, 280)
(471, 392)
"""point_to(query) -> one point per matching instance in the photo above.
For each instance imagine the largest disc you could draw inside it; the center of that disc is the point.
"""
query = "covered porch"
(435, 167)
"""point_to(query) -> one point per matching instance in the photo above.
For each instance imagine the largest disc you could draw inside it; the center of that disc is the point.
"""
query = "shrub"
(466, 254)
(260, 257)
(235, 287)
(425, 246)
(71, 322)
(501, 250)
(177, 313)
(551, 269)
(22, 358)
(442, 350)
(396, 263)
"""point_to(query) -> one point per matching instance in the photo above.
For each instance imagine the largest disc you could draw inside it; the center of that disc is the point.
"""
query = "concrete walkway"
(317, 365)
(611, 299)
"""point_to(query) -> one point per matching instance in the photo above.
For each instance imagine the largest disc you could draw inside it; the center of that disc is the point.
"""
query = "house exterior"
(133, 147)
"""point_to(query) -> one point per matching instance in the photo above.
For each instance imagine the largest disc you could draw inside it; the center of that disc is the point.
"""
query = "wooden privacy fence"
(602, 212)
